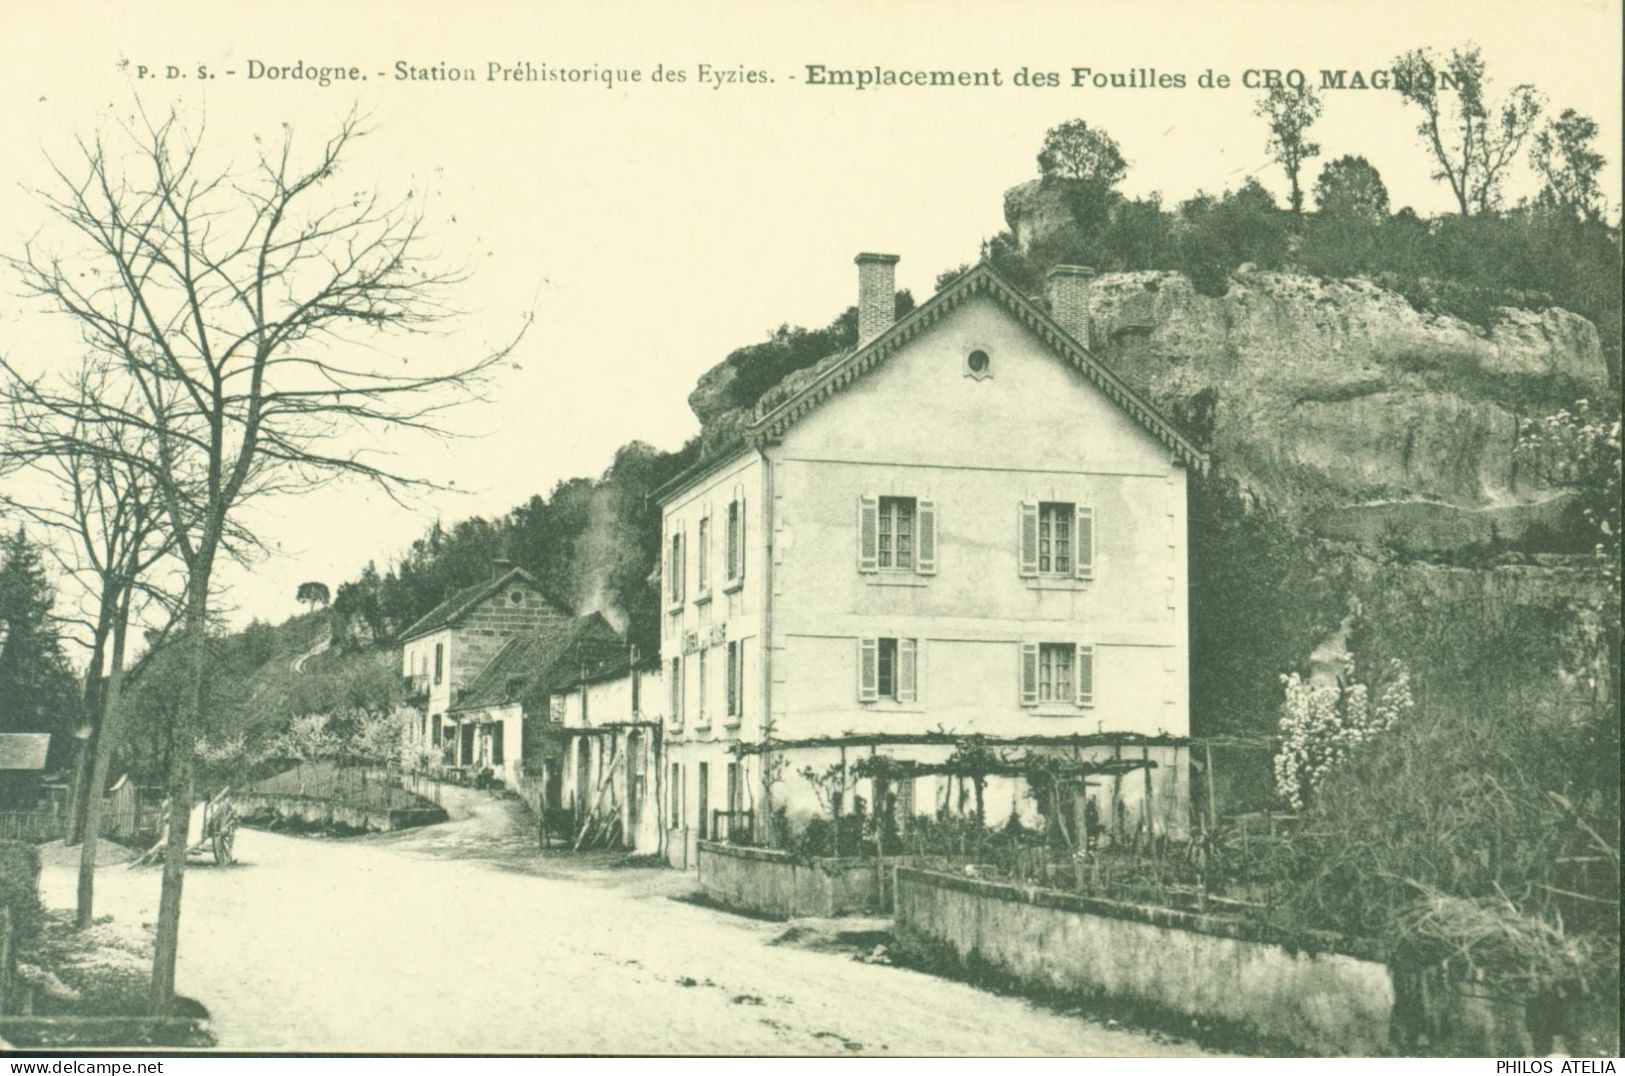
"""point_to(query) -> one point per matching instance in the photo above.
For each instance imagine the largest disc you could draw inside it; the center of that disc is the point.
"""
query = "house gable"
(982, 282)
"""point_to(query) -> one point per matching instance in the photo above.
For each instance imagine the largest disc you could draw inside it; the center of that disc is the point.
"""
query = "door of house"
(705, 801)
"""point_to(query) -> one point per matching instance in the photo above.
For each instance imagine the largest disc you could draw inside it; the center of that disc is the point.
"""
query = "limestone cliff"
(1340, 401)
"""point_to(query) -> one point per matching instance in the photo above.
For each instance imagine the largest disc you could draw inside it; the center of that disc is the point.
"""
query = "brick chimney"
(877, 294)
(500, 566)
(1068, 289)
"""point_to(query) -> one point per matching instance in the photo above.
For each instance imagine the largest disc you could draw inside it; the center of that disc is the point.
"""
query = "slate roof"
(533, 664)
(461, 602)
(836, 372)
(24, 751)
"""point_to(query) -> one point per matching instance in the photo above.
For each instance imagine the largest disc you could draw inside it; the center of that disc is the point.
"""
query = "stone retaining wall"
(323, 812)
(1300, 991)
(775, 884)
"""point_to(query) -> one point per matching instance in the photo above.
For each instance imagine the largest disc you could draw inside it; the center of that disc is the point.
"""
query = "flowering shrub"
(1322, 726)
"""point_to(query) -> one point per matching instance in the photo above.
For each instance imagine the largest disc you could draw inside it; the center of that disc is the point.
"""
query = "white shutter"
(868, 669)
(1029, 674)
(1084, 675)
(925, 550)
(908, 670)
(868, 534)
(1029, 538)
(1084, 537)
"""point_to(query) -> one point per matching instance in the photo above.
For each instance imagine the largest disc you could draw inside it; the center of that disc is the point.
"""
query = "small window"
(734, 559)
(896, 550)
(978, 365)
(1055, 538)
(439, 662)
(516, 598)
(699, 707)
(1055, 672)
(676, 703)
(736, 680)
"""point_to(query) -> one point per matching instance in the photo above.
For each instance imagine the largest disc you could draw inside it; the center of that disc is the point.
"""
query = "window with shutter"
(1029, 674)
(1086, 675)
(925, 560)
(868, 669)
(908, 670)
(868, 534)
(1084, 539)
(1029, 538)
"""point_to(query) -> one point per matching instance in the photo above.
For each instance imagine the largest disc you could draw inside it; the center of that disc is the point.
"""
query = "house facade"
(966, 526)
(612, 777)
(445, 650)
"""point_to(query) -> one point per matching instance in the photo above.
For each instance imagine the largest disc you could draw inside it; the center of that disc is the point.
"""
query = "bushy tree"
(1074, 150)
(1351, 189)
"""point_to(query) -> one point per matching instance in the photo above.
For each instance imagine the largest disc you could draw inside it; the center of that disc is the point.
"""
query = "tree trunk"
(106, 743)
(166, 946)
(91, 708)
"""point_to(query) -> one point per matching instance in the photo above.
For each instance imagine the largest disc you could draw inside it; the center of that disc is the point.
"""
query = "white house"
(965, 526)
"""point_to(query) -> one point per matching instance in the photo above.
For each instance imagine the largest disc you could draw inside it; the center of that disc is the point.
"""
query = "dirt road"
(461, 937)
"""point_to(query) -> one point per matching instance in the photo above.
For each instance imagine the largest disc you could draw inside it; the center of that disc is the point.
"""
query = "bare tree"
(1290, 111)
(1473, 140)
(105, 509)
(247, 311)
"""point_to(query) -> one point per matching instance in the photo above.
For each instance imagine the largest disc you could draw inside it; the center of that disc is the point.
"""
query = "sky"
(652, 227)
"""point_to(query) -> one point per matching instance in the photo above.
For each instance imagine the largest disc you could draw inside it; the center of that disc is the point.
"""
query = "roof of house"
(24, 750)
(530, 662)
(463, 601)
(837, 372)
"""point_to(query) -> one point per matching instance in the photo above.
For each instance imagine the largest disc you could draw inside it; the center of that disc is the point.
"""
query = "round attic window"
(517, 597)
(978, 365)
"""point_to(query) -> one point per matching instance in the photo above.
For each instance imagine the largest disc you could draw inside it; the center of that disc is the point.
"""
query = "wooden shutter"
(1029, 674)
(868, 534)
(908, 670)
(868, 669)
(1083, 536)
(1029, 538)
(682, 563)
(739, 563)
(925, 547)
(1084, 675)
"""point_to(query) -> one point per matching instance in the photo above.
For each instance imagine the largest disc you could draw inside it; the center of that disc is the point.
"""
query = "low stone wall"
(321, 812)
(1320, 998)
(780, 886)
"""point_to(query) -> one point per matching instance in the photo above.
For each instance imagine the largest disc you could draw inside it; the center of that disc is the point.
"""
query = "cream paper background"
(654, 228)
